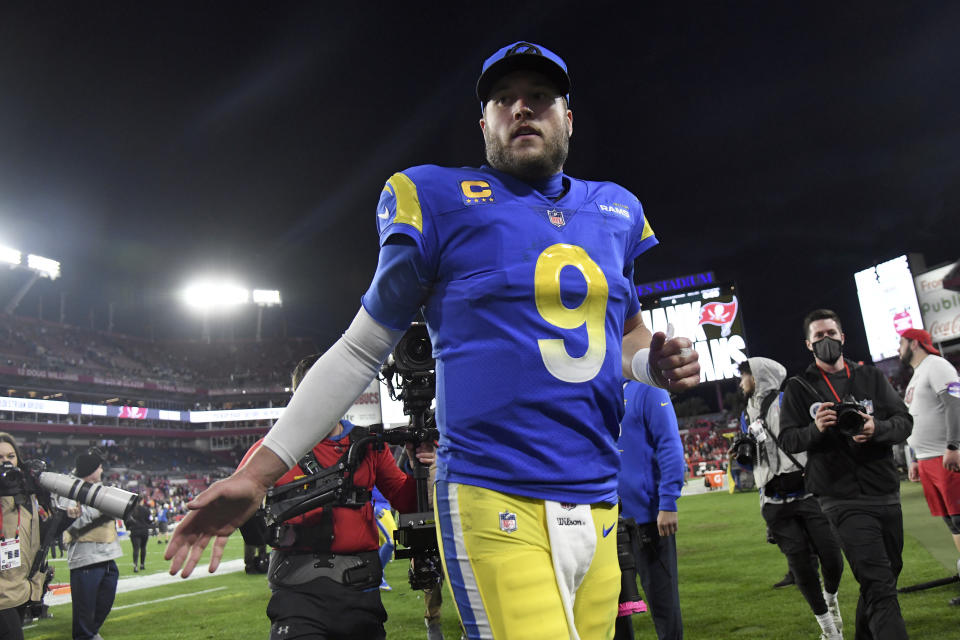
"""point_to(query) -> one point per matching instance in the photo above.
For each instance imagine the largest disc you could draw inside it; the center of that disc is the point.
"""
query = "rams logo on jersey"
(476, 192)
(616, 208)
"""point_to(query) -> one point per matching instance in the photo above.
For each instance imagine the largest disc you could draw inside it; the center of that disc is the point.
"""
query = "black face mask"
(828, 349)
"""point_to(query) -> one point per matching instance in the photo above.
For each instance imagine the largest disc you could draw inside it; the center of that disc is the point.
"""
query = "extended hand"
(218, 511)
(869, 428)
(666, 523)
(674, 362)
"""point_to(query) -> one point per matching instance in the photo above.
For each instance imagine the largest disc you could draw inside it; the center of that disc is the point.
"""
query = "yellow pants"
(528, 569)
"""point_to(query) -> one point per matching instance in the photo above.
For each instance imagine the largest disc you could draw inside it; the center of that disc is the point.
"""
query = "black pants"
(139, 542)
(11, 623)
(656, 560)
(804, 535)
(872, 540)
(323, 609)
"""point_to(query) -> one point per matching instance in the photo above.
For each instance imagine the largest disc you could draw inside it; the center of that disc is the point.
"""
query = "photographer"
(847, 417)
(92, 546)
(792, 514)
(325, 569)
(19, 542)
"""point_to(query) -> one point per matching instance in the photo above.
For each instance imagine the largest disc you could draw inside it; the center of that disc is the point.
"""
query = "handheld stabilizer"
(410, 376)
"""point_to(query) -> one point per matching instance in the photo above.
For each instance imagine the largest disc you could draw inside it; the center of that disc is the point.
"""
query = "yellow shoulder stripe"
(647, 229)
(408, 204)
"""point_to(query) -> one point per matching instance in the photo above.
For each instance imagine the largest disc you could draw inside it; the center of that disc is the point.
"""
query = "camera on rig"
(410, 376)
(410, 371)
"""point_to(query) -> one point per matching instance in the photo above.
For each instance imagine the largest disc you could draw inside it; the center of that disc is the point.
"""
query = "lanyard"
(823, 373)
(16, 536)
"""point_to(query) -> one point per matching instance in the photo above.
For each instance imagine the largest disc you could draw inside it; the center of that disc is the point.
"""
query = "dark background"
(781, 145)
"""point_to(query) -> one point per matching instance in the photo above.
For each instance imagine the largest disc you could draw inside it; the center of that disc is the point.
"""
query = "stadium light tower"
(39, 267)
(218, 296)
(264, 298)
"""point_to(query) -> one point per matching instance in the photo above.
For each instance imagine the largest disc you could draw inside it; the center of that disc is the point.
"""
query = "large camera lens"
(110, 500)
(414, 352)
(849, 421)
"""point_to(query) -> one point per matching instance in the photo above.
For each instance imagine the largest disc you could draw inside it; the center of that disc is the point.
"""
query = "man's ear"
(483, 124)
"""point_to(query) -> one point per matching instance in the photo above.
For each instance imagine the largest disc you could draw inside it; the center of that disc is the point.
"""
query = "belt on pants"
(289, 569)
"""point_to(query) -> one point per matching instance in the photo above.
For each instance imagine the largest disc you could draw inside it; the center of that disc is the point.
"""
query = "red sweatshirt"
(355, 530)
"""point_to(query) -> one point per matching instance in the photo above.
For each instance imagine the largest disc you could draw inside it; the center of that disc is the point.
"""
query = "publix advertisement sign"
(939, 307)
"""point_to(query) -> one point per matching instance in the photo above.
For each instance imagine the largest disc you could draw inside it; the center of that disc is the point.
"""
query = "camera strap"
(829, 384)
(768, 400)
(809, 387)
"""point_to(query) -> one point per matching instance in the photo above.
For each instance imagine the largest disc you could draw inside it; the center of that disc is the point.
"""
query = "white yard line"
(182, 595)
(136, 583)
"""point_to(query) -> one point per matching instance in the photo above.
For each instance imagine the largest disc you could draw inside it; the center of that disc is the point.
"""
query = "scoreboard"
(711, 318)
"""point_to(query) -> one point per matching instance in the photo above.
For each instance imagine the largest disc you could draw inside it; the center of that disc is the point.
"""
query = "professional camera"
(410, 371)
(410, 376)
(744, 449)
(32, 478)
(849, 420)
(12, 480)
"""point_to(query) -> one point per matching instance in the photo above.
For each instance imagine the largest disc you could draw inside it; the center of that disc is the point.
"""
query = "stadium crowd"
(37, 344)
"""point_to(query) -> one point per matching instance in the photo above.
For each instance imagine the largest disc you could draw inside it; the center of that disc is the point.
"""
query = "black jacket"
(837, 466)
(138, 522)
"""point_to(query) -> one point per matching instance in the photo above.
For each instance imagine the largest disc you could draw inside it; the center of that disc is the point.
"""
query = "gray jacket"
(82, 554)
(771, 460)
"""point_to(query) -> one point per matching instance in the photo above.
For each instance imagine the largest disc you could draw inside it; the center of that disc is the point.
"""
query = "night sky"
(781, 145)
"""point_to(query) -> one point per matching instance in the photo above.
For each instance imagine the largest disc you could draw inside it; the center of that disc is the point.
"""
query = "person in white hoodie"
(791, 512)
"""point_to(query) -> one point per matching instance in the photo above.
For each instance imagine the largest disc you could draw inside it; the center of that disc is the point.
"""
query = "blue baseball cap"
(523, 56)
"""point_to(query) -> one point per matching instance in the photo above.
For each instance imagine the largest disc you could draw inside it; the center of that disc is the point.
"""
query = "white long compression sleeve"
(330, 387)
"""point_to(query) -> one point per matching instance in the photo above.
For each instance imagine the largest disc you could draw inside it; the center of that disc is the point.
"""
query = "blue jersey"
(525, 299)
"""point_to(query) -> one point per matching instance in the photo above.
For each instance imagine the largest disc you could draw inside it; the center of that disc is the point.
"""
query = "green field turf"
(726, 569)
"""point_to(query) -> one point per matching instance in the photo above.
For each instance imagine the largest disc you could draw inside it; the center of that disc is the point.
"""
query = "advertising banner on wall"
(366, 408)
(888, 303)
(939, 307)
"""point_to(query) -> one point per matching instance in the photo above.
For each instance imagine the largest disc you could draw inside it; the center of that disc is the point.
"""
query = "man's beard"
(529, 167)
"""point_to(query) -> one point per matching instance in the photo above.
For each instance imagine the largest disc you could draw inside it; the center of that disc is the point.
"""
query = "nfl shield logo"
(508, 522)
(556, 218)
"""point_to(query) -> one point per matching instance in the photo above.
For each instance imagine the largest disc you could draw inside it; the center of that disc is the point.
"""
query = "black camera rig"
(409, 374)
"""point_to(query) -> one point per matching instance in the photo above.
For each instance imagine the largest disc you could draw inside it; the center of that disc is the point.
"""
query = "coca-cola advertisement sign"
(939, 307)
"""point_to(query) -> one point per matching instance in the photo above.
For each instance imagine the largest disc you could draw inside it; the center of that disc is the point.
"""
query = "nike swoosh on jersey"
(663, 404)
(384, 215)
(607, 530)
